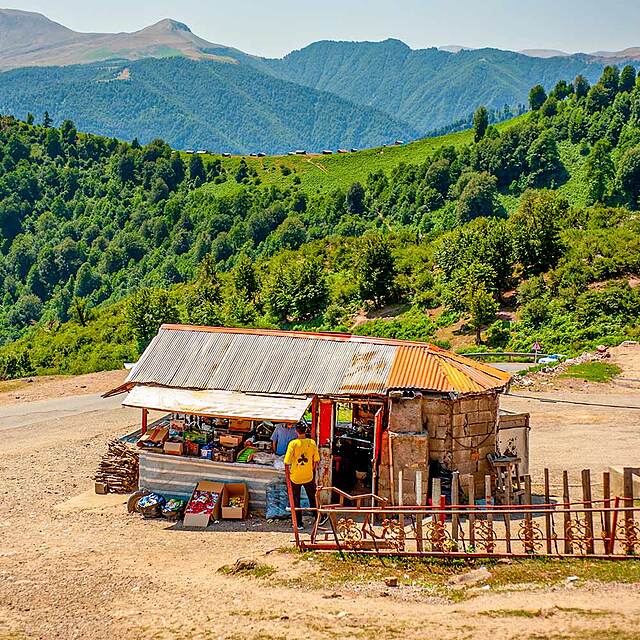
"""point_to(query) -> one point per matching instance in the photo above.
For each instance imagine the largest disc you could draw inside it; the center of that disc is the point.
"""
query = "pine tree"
(627, 78)
(46, 120)
(537, 97)
(480, 123)
(581, 86)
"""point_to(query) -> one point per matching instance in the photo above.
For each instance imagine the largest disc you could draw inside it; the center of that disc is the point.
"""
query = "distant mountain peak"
(167, 24)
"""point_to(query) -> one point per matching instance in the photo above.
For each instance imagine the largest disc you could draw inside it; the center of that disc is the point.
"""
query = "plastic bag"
(278, 501)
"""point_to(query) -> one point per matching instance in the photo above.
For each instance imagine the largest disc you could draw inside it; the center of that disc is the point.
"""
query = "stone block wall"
(457, 433)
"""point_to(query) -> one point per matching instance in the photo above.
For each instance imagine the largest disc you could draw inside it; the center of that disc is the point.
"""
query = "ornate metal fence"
(607, 528)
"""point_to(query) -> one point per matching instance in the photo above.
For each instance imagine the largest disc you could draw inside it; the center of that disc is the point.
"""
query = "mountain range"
(164, 81)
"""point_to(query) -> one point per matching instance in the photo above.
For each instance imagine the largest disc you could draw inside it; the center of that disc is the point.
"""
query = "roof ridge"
(321, 335)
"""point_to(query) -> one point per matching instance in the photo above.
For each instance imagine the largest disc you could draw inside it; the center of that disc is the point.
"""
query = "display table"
(177, 476)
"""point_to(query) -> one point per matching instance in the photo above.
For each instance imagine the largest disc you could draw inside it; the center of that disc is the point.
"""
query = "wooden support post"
(547, 515)
(145, 420)
(401, 495)
(606, 494)
(508, 499)
(392, 469)
(628, 502)
(528, 500)
(472, 505)
(419, 515)
(566, 500)
(436, 490)
(455, 492)
(587, 504)
(294, 513)
(488, 499)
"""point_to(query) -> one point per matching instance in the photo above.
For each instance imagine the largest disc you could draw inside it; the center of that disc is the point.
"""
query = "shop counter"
(177, 476)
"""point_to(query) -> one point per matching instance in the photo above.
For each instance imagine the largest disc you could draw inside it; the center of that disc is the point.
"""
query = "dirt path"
(74, 565)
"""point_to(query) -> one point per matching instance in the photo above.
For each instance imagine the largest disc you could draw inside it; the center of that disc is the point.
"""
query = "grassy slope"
(326, 173)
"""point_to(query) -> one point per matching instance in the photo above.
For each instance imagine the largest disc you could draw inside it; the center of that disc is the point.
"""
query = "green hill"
(519, 232)
(427, 88)
(196, 104)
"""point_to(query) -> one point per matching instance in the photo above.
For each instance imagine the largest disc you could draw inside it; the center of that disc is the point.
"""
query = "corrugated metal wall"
(176, 476)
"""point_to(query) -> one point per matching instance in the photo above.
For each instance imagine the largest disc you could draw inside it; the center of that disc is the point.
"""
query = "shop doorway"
(354, 446)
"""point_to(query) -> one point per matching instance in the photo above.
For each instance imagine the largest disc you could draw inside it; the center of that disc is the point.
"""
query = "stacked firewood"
(118, 469)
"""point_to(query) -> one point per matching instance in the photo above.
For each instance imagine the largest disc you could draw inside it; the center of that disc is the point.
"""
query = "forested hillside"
(427, 88)
(197, 104)
(165, 81)
(507, 235)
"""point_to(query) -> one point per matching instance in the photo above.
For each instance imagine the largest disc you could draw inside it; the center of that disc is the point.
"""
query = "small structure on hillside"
(375, 407)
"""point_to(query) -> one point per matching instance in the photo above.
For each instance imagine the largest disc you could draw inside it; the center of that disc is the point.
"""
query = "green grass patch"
(433, 574)
(257, 571)
(326, 173)
(593, 371)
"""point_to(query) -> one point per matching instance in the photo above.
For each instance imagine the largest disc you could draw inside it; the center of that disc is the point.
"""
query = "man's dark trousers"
(310, 490)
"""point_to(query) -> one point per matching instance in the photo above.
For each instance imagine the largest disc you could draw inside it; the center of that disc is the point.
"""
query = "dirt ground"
(76, 565)
(46, 387)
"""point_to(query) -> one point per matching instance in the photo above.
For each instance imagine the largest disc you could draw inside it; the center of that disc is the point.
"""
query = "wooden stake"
(145, 420)
(568, 547)
(419, 516)
(505, 516)
(436, 489)
(400, 495)
(547, 516)
(488, 497)
(628, 501)
(528, 499)
(455, 490)
(472, 504)
(606, 494)
(392, 471)
(588, 516)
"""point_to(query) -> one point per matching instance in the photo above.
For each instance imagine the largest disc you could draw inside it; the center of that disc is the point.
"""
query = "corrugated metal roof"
(303, 363)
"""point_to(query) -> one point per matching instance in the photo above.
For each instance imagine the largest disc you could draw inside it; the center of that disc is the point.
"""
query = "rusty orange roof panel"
(303, 362)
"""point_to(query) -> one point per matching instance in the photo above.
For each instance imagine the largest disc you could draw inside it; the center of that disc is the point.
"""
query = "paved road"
(28, 413)
(512, 367)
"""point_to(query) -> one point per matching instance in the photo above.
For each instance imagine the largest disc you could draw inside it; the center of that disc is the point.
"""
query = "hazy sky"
(274, 27)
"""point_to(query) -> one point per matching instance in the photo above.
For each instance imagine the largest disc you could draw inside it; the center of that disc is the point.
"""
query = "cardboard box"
(174, 448)
(154, 437)
(239, 425)
(101, 488)
(235, 490)
(201, 519)
(177, 425)
(193, 448)
(229, 440)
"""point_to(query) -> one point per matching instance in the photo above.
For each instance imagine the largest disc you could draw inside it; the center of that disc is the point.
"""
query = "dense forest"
(223, 106)
(426, 88)
(525, 232)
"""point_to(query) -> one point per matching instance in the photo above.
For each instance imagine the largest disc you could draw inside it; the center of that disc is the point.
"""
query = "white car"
(554, 358)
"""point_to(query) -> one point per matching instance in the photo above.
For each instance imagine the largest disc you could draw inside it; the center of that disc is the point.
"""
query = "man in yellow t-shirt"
(300, 463)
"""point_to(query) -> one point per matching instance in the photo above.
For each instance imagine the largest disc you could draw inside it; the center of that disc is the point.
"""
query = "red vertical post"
(314, 418)
(325, 423)
(145, 419)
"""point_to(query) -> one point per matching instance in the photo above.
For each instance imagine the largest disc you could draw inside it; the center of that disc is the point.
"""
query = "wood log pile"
(118, 470)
